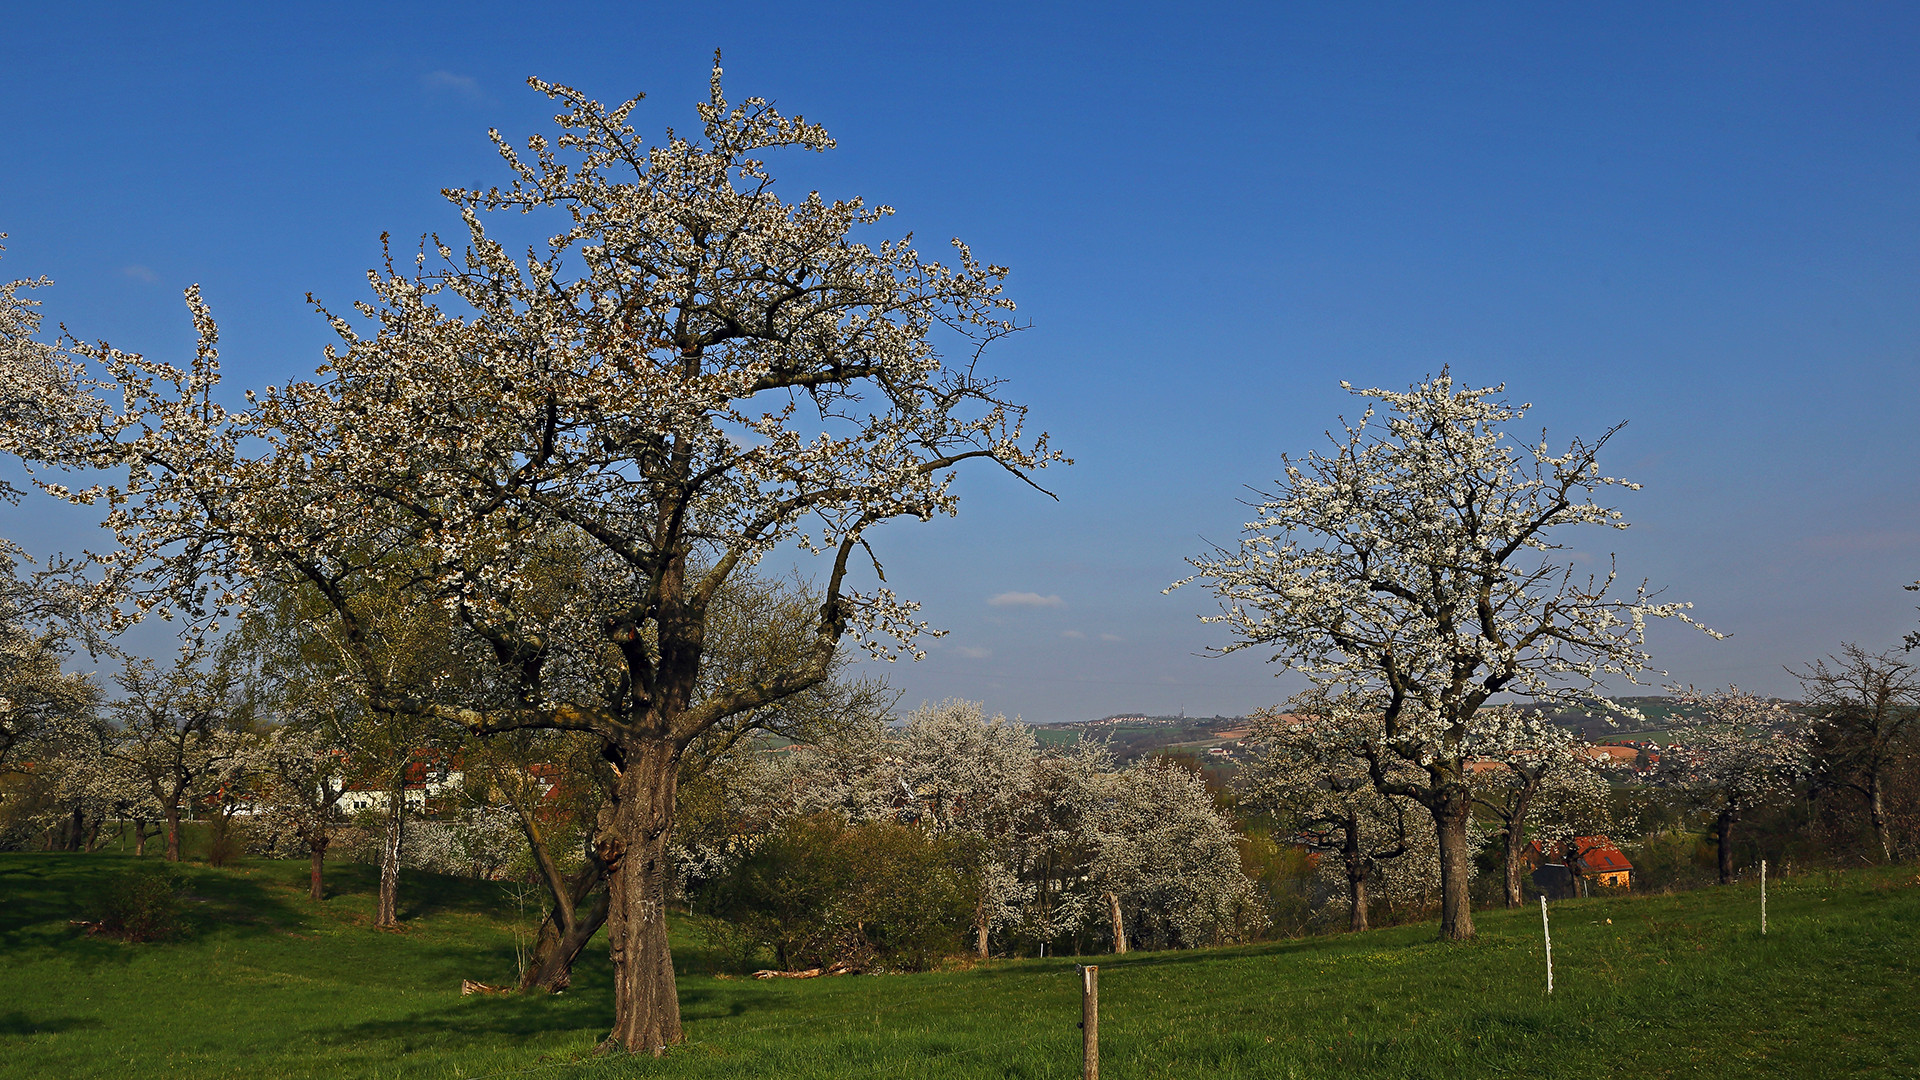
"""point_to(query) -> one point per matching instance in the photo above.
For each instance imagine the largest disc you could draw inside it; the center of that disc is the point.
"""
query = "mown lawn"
(264, 984)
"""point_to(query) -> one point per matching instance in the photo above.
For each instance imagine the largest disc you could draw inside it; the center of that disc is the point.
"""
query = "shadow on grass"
(41, 895)
(19, 1023)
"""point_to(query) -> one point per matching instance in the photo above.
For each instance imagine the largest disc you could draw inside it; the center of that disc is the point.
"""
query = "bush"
(226, 839)
(821, 891)
(141, 903)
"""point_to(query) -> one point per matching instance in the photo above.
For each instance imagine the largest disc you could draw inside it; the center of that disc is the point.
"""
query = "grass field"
(265, 984)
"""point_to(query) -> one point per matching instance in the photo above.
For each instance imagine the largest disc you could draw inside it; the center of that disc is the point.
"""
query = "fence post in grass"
(1546, 933)
(1763, 898)
(1090, 1020)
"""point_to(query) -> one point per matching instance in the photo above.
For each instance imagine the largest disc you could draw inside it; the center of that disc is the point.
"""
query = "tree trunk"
(1456, 867)
(551, 966)
(1119, 924)
(646, 1003)
(567, 929)
(1357, 898)
(171, 816)
(981, 943)
(1516, 860)
(1876, 806)
(316, 884)
(389, 915)
(1723, 826)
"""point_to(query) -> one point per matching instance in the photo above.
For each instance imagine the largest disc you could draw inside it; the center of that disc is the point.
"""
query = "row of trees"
(1058, 848)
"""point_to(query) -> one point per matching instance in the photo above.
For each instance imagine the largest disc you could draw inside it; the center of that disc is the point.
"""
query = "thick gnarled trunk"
(1119, 924)
(646, 1003)
(1450, 817)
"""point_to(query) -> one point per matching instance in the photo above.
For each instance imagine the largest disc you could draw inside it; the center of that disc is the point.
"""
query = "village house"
(1583, 862)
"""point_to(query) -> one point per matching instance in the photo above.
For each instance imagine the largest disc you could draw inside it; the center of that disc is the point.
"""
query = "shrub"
(141, 903)
(820, 891)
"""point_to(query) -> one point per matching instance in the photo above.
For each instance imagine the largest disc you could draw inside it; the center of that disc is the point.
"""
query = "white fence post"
(1763, 898)
(1546, 933)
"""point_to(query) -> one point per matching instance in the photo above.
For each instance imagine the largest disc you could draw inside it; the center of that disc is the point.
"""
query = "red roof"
(1597, 855)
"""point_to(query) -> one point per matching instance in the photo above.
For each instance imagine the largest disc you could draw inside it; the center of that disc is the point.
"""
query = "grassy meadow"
(263, 983)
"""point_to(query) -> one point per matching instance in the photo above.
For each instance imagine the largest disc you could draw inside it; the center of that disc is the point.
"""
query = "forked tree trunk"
(1723, 830)
(646, 1004)
(389, 914)
(1119, 924)
(141, 834)
(557, 948)
(1456, 868)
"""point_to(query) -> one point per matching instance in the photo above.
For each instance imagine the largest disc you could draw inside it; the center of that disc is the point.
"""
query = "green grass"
(265, 985)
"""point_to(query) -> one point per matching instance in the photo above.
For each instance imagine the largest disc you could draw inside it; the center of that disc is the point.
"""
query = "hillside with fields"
(261, 982)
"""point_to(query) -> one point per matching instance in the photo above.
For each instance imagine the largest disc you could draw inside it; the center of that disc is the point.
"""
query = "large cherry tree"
(574, 450)
(1417, 563)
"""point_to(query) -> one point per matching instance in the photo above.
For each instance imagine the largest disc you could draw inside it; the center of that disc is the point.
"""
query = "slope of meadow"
(263, 983)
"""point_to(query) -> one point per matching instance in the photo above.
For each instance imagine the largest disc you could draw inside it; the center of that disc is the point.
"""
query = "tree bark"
(1723, 828)
(171, 816)
(646, 1003)
(556, 950)
(1119, 924)
(981, 944)
(389, 914)
(1450, 816)
(566, 930)
(316, 884)
(1357, 898)
(1516, 859)
(142, 834)
(1876, 807)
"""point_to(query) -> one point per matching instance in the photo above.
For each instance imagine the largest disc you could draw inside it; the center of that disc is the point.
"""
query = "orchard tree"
(1416, 563)
(1528, 787)
(1323, 796)
(975, 776)
(177, 732)
(1864, 706)
(1742, 752)
(690, 373)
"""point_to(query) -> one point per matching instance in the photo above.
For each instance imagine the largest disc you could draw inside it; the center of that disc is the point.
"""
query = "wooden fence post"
(1546, 933)
(1090, 1020)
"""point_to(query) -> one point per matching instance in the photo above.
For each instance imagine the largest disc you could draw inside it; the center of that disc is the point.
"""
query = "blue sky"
(1699, 219)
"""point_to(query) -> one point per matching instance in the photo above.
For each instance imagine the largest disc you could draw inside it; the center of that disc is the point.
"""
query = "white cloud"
(1074, 634)
(1025, 599)
(974, 653)
(447, 82)
(140, 273)
(1110, 637)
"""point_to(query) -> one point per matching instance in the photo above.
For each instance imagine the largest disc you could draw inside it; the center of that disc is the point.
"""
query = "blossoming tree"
(573, 452)
(1740, 753)
(1415, 563)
